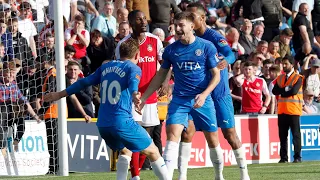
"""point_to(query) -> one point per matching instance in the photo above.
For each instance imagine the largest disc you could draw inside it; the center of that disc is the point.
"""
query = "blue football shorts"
(180, 109)
(127, 133)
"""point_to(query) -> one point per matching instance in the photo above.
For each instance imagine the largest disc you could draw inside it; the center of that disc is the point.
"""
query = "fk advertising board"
(32, 157)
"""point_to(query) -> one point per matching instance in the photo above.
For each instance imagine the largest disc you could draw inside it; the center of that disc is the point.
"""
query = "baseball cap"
(315, 63)
(4, 6)
(309, 92)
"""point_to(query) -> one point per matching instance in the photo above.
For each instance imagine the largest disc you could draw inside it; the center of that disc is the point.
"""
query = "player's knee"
(212, 138)
(152, 152)
(126, 152)
(231, 136)
(187, 136)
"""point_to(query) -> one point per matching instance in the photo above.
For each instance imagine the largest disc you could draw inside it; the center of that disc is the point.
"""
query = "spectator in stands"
(84, 96)
(160, 33)
(20, 44)
(232, 36)
(252, 89)
(69, 52)
(289, 87)
(106, 23)
(257, 59)
(5, 12)
(265, 71)
(247, 41)
(263, 48)
(124, 30)
(258, 32)
(78, 37)
(142, 5)
(48, 49)
(13, 103)
(39, 8)
(303, 37)
(85, 7)
(26, 27)
(122, 16)
(284, 42)
(69, 9)
(160, 14)
(274, 72)
(100, 49)
(309, 107)
(6, 39)
(273, 49)
(2, 52)
(311, 72)
(234, 89)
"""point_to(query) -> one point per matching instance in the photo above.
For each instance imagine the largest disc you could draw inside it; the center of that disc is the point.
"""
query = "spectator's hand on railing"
(87, 118)
(37, 118)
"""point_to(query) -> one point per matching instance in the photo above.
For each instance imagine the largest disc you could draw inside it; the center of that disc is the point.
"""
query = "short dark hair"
(95, 33)
(25, 5)
(267, 61)
(197, 5)
(124, 22)
(275, 68)
(262, 42)
(132, 16)
(288, 58)
(129, 48)
(74, 63)
(286, 32)
(249, 63)
(184, 15)
(79, 18)
(69, 48)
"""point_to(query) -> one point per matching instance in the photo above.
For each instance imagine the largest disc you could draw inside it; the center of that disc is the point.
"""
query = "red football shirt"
(150, 54)
(252, 95)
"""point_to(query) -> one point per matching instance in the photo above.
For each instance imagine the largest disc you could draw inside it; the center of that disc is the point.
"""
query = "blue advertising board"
(87, 150)
(310, 139)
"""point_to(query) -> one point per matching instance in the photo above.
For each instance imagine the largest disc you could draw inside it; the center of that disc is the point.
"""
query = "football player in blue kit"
(222, 99)
(119, 81)
(191, 59)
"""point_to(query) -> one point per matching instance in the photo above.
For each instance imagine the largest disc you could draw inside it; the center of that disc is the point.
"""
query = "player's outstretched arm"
(155, 83)
(200, 98)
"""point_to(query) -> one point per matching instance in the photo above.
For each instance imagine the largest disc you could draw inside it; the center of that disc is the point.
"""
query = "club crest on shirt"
(138, 77)
(258, 85)
(149, 48)
(222, 43)
(198, 52)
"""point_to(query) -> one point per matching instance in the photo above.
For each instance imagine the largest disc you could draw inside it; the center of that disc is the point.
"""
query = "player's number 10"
(113, 99)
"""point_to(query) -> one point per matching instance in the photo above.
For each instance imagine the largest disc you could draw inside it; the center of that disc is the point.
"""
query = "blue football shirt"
(222, 89)
(118, 80)
(190, 65)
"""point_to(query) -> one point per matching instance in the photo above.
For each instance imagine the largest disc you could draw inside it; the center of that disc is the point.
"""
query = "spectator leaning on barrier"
(12, 102)
(289, 87)
(252, 89)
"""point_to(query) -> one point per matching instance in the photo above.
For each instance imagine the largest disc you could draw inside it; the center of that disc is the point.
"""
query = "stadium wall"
(89, 153)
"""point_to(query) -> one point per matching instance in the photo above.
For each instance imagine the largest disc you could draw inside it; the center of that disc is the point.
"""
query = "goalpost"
(61, 85)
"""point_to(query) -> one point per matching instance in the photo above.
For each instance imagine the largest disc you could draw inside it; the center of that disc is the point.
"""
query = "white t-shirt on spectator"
(27, 29)
(313, 83)
(296, 4)
(39, 6)
(66, 9)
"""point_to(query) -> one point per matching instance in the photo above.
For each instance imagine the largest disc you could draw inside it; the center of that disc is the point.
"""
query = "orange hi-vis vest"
(290, 105)
(52, 111)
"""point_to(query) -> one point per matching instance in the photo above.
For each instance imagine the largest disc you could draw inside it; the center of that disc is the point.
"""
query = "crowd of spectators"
(262, 32)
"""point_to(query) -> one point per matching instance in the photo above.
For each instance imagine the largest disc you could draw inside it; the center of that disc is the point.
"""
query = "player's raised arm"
(93, 79)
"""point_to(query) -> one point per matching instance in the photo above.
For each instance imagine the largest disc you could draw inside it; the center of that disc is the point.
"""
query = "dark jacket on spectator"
(248, 46)
(20, 47)
(85, 99)
(45, 51)
(6, 40)
(160, 11)
(99, 54)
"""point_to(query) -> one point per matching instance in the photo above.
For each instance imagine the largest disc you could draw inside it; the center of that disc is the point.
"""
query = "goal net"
(27, 72)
